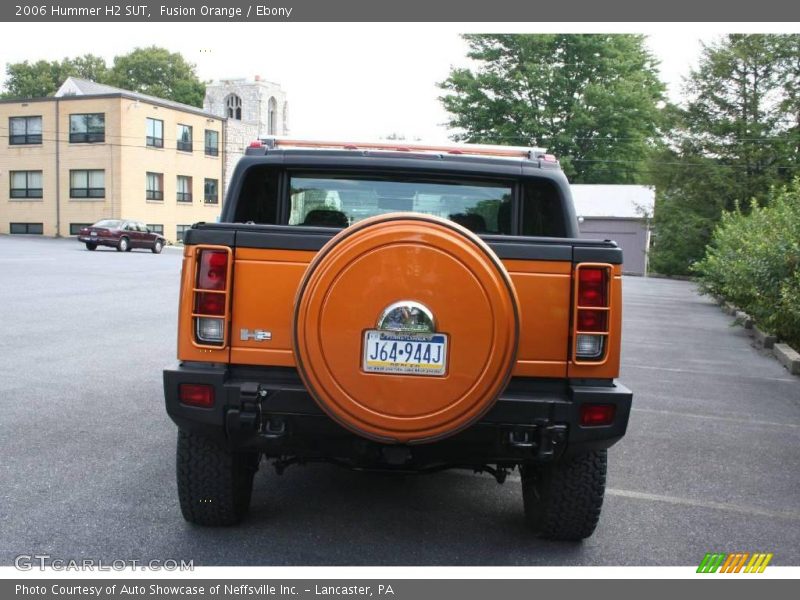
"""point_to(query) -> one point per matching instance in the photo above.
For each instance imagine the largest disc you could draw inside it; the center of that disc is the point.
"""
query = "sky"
(343, 81)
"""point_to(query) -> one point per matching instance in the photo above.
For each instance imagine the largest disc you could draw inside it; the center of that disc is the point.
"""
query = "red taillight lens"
(213, 271)
(592, 287)
(209, 303)
(196, 394)
(592, 320)
(597, 414)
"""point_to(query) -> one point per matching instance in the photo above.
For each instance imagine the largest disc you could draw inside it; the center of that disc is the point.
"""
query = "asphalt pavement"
(711, 461)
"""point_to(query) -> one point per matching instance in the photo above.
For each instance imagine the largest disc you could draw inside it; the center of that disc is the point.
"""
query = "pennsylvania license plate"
(405, 353)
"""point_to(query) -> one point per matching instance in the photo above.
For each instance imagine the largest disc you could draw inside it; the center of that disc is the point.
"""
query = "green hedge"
(753, 261)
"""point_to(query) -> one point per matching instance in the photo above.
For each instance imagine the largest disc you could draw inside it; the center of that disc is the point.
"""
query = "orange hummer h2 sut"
(398, 308)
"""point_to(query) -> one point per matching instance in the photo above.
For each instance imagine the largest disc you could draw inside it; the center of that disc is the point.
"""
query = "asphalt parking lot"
(711, 461)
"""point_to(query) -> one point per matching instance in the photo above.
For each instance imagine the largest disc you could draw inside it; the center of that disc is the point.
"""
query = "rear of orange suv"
(406, 309)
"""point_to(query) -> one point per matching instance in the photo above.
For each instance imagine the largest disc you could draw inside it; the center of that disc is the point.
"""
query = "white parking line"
(724, 506)
(743, 420)
(745, 510)
(629, 365)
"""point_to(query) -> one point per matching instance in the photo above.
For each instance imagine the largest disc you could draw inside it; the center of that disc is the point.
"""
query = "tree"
(593, 100)
(43, 78)
(734, 140)
(153, 70)
(158, 72)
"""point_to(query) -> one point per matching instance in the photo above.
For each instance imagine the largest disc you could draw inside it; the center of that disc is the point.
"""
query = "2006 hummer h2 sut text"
(404, 309)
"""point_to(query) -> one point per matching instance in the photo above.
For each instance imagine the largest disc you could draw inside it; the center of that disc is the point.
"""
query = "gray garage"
(622, 213)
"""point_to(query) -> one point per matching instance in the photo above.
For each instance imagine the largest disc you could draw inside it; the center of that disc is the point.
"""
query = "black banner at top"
(496, 11)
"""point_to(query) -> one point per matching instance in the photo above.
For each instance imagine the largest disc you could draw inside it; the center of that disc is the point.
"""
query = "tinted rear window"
(542, 210)
(341, 201)
(270, 195)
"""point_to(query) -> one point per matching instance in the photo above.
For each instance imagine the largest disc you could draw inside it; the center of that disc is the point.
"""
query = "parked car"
(122, 235)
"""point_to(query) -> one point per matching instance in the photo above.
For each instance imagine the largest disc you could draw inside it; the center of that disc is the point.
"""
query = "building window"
(211, 191)
(87, 184)
(212, 142)
(155, 133)
(233, 106)
(156, 228)
(25, 130)
(87, 129)
(26, 184)
(184, 188)
(31, 228)
(185, 138)
(272, 116)
(75, 228)
(180, 230)
(155, 186)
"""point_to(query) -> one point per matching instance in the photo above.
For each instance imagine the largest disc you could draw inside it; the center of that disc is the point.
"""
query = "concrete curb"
(765, 340)
(788, 357)
(784, 353)
(743, 319)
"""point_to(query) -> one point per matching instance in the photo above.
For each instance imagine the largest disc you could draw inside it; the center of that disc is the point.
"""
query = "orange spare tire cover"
(430, 265)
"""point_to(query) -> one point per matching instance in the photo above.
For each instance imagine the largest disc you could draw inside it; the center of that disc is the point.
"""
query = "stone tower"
(252, 108)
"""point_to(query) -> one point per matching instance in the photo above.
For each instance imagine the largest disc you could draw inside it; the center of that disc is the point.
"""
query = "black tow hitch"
(245, 420)
(544, 439)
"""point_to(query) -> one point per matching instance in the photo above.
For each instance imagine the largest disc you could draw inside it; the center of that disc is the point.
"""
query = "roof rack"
(399, 146)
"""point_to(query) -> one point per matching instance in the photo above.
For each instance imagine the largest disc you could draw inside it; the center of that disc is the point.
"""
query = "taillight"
(592, 286)
(595, 415)
(196, 394)
(213, 271)
(210, 298)
(209, 303)
(592, 308)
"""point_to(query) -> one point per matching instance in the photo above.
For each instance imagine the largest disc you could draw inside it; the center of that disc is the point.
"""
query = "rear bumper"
(100, 241)
(270, 410)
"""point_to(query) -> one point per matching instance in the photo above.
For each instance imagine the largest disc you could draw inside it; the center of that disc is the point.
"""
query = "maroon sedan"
(122, 235)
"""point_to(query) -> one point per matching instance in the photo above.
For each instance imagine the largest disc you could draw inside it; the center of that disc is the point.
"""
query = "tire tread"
(214, 483)
(563, 500)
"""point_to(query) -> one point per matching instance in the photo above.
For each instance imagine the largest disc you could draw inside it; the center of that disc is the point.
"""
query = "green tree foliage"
(593, 100)
(754, 261)
(42, 78)
(151, 70)
(735, 138)
(158, 72)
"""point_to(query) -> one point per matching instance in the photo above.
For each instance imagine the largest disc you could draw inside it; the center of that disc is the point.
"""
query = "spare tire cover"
(402, 260)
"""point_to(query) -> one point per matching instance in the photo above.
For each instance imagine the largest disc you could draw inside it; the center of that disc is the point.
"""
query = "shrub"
(753, 260)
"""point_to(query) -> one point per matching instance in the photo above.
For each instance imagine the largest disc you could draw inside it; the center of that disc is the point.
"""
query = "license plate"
(405, 353)
(93, 234)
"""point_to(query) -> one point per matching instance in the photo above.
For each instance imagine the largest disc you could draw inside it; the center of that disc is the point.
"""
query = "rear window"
(342, 201)
(110, 223)
(271, 195)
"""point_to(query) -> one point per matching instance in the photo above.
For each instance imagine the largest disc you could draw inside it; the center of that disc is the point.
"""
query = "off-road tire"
(563, 500)
(214, 482)
(91, 246)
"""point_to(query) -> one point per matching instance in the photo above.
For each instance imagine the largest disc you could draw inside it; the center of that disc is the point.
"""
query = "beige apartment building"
(93, 151)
